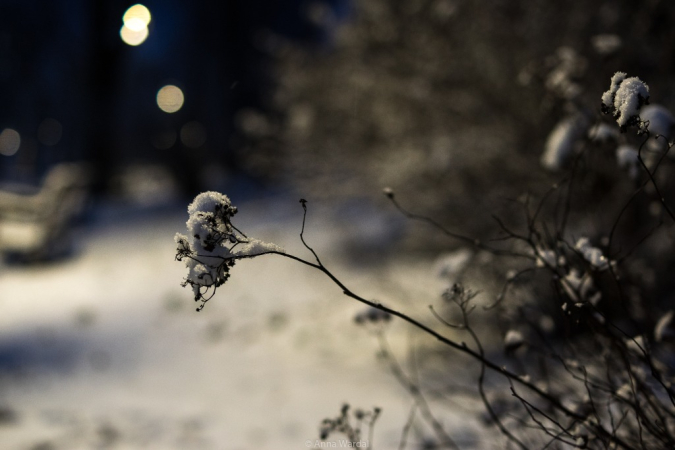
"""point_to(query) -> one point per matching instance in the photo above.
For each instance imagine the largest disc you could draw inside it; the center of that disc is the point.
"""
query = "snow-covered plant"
(624, 98)
(586, 365)
(212, 245)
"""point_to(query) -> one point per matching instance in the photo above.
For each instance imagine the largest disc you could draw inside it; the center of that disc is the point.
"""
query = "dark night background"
(65, 61)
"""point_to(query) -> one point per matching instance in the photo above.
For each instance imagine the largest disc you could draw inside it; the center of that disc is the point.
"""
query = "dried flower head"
(212, 245)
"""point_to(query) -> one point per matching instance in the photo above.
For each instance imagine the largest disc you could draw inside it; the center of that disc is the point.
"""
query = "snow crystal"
(591, 254)
(624, 98)
(561, 142)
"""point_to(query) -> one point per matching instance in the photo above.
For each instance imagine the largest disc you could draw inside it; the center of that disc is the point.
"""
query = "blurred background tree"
(443, 98)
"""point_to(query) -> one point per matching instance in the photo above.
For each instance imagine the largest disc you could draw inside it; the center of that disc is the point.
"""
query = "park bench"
(35, 221)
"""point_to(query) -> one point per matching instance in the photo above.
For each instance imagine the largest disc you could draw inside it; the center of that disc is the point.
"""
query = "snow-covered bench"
(34, 221)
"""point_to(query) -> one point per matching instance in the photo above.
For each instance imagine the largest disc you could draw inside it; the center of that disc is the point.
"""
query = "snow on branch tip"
(213, 244)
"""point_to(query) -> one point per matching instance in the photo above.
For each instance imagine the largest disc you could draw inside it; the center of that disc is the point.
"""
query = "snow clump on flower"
(624, 99)
(213, 244)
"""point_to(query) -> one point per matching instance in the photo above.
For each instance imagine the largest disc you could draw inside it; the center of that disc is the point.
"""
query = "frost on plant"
(624, 99)
(213, 244)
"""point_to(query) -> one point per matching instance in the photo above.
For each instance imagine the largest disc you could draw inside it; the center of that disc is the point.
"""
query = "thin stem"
(471, 241)
(462, 348)
(302, 231)
(406, 429)
(653, 180)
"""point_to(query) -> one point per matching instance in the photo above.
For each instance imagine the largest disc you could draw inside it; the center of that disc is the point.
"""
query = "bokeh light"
(133, 38)
(137, 17)
(10, 141)
(170, 98)
(49, 132)
(135, 29)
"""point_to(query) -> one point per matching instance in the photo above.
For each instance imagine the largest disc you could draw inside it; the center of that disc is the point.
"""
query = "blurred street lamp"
(170, 98)
(135, 29)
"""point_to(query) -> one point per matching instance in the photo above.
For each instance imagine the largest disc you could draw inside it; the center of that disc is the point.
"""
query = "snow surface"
(105, 350)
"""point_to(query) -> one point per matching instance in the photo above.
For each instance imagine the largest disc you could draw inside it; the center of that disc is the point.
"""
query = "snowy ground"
(105, 349)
